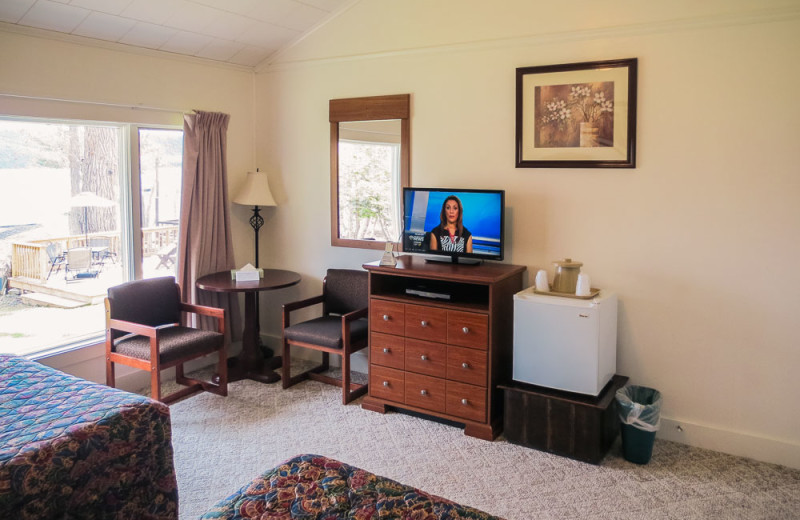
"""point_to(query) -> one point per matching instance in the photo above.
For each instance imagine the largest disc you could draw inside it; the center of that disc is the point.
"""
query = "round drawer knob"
(386, 383)
(386, 351)
(423, 323)
(464, 401)
(465, 330)
(423, 357)
(423, 392)
(385, 317)
(464, 365)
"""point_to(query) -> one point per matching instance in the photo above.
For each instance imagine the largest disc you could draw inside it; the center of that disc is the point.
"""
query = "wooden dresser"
(442, 357)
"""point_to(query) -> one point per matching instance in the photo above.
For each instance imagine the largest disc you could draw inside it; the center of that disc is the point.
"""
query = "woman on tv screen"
(451, 235)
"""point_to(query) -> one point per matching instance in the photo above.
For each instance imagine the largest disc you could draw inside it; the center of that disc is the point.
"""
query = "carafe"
(566, 278)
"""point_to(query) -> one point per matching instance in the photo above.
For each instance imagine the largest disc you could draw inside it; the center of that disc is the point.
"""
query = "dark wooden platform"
(573, 425)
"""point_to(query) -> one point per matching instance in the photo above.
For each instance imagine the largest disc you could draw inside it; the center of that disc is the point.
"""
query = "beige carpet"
(221, 443)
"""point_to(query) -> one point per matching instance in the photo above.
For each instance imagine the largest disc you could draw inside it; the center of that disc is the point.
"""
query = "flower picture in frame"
(577, 115)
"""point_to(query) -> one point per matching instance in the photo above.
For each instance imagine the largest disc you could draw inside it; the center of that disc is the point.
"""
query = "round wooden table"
(250, 363)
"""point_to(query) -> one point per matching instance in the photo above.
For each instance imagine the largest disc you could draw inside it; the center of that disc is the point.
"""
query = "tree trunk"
(75, 154)
(93, 168)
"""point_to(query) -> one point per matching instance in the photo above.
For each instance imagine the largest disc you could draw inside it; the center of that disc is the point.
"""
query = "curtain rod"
(99, 103)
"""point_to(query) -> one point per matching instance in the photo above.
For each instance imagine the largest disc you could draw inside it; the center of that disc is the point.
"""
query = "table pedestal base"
(264, 374)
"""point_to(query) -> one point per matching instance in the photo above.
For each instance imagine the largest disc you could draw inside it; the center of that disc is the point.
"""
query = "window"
(75, 221)
(369, 180)
(160, 163)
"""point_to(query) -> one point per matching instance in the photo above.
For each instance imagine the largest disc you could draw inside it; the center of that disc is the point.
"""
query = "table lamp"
(255, 192)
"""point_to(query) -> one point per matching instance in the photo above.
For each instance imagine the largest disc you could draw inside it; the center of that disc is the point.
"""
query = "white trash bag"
(640, 407)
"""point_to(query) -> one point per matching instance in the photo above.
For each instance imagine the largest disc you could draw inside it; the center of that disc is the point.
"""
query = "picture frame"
(577, 115)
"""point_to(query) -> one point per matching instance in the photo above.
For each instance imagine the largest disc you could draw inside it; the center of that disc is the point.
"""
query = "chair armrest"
(352, 316)
(308, 302)
(133, 328)
(287, 308)
(216, 312)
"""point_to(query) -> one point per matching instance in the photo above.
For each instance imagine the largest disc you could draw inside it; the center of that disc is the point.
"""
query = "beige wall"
(700, 241)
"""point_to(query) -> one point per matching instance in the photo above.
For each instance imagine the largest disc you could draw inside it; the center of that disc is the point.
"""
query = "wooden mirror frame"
(376, 108)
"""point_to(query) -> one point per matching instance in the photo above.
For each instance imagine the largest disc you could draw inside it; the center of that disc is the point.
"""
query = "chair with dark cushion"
(143, 331)
(341, 330)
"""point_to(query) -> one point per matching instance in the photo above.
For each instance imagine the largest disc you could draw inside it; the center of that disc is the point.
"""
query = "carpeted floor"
(221, 443)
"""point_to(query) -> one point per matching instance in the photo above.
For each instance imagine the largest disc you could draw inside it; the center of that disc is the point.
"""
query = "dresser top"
(416, 266)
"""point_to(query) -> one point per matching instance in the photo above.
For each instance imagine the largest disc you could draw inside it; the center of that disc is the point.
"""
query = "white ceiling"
(243, 32)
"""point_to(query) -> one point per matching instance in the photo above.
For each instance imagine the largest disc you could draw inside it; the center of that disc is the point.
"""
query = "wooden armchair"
(341, 330)
(143, 331)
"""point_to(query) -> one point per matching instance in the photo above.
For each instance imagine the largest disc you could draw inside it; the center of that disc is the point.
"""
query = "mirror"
(369, 168)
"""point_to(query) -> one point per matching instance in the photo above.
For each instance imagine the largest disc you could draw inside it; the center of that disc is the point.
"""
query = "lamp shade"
(255, 191)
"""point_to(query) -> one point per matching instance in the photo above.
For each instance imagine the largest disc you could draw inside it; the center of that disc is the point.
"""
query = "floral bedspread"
(316, 487)
(73, 449)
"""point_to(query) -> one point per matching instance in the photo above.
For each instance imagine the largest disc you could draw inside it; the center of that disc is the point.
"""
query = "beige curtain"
(205, 227)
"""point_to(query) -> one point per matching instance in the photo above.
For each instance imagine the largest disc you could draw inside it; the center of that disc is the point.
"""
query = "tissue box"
(247, 276)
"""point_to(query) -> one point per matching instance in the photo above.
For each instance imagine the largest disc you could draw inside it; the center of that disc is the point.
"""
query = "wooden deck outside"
(31, 267)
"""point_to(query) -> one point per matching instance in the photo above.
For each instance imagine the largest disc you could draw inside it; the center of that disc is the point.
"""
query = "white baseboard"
(734, 443)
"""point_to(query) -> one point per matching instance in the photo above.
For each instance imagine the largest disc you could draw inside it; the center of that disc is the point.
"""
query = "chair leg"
(110, 380)
(222, 371)
(345, 377)
(155, 384)
(179, 377)
(286, 365)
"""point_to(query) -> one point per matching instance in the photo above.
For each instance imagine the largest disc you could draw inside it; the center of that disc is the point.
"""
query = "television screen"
(455, 223)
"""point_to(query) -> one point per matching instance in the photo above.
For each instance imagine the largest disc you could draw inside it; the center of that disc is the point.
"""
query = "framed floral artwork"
(577, 115)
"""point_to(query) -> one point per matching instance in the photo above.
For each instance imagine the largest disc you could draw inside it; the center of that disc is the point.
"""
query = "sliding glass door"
(85, 206)
(160, 162)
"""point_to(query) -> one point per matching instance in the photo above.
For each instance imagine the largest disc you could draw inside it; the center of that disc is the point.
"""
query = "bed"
(73, 449)
(313, 486)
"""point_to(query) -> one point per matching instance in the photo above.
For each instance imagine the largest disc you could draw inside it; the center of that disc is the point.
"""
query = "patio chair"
(166, 257)
(79, 265)
(101, 250)
(56, 258)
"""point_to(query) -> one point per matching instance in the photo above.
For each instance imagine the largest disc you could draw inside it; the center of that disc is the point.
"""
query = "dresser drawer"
(386, 383)
(466, 365)
(425, 392)
(468, 329)
(466, 401)
(387, 350)
(388, 317)
(428, 323)
(426, 357)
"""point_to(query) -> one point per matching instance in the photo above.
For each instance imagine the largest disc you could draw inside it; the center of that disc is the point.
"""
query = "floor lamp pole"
(256, 221)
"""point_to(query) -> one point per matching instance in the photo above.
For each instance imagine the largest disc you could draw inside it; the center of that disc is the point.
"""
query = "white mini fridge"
(565, 343)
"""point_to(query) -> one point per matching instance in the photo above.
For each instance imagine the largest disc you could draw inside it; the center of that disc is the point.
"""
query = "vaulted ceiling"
(242, 32)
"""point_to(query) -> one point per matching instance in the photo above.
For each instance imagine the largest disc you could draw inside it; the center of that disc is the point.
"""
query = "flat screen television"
(457, 225)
